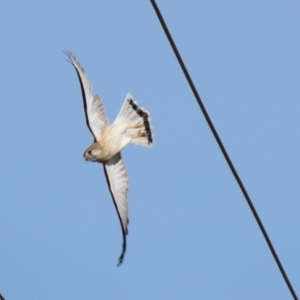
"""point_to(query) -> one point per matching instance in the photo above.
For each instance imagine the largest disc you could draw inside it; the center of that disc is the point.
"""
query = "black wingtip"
(120, 261)
(68, 53)
(121, 257)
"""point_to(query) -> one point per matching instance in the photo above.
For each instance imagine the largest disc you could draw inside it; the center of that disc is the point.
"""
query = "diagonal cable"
(215, 133)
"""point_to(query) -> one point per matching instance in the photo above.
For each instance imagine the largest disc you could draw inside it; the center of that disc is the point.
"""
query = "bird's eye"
(88, 153)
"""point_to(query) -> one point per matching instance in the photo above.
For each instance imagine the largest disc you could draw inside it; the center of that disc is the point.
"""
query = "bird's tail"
(139, 121)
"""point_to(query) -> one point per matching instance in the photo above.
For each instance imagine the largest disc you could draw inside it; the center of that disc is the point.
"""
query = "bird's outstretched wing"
(95, 114)
(117, 181)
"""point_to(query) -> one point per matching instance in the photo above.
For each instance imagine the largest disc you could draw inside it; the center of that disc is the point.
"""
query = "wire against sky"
(1, 297)
(215, 133)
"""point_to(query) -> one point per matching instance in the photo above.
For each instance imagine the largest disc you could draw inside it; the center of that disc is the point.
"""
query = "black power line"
(1, 297)
(215, 133)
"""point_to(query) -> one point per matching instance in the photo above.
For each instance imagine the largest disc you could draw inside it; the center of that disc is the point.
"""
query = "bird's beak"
(85, 155)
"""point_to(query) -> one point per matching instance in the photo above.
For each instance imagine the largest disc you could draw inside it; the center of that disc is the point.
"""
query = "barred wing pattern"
(95, 114)
(117, 181)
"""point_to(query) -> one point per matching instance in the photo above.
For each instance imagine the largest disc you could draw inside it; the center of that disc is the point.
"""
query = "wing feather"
(95, 114)
(117, 181)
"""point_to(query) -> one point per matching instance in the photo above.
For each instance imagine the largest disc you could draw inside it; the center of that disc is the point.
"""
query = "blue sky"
(191, 233)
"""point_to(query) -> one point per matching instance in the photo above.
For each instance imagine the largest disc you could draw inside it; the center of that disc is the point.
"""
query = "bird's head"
(93, 153)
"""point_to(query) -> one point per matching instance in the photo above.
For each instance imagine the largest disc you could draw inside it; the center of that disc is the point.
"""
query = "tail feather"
(130, 113)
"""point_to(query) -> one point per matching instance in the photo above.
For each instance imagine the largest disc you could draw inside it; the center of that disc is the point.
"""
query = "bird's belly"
(113, 140)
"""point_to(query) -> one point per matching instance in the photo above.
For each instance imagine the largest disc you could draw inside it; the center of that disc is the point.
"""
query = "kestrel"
(132, 125)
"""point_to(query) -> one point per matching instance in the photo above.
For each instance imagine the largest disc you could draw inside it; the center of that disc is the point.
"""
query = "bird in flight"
(131, 126)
